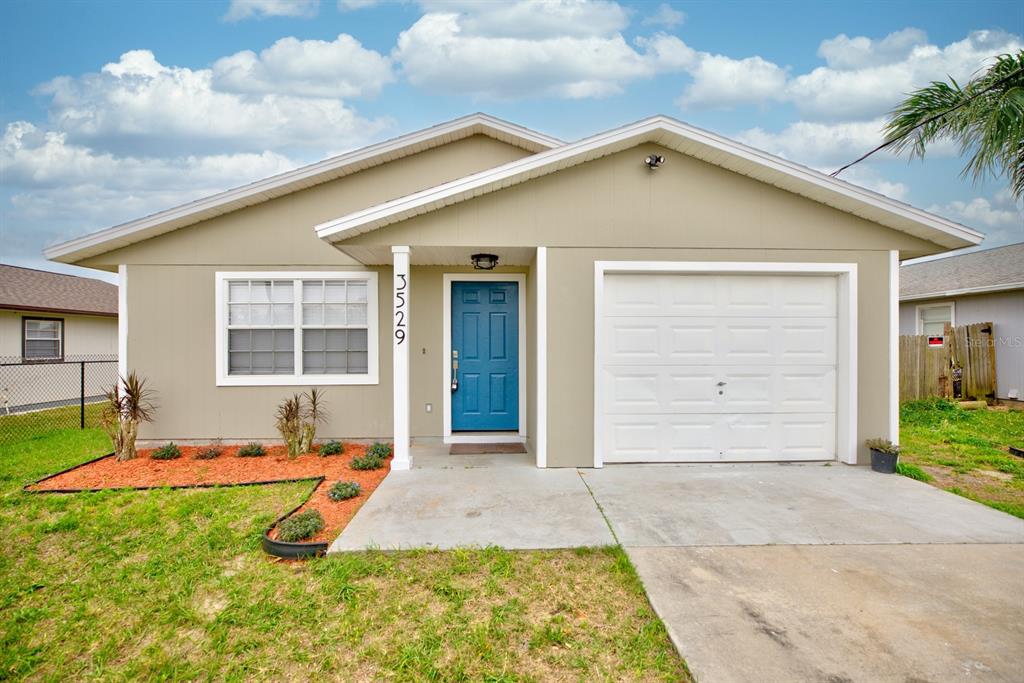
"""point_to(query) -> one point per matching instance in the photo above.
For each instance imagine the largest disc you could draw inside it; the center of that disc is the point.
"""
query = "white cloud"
(862, 80)
(843, 52)
(815, 144)
(534, 19)
(61, 189)
(245, 9)
(999, 217)
(723, 82)
(439, 53)
(139, 104)
(307, 68)
(666, 16)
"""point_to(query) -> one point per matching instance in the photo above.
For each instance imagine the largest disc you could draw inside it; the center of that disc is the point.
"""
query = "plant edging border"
(271, 546)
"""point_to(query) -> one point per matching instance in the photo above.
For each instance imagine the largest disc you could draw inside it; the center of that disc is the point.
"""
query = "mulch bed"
(231, 470)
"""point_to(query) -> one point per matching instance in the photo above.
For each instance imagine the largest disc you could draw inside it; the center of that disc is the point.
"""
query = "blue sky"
(114, 110)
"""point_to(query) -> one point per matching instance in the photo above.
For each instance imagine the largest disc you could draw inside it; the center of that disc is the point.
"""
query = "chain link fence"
(37, 397)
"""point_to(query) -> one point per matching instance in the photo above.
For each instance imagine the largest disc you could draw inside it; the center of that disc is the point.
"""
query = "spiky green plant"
(128, 404)
(297, 419)
(985, 117)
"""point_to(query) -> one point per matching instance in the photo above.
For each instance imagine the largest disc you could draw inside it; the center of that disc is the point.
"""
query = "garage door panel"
(717, 341)
(711, 295)
(660, 389)
(662, 438)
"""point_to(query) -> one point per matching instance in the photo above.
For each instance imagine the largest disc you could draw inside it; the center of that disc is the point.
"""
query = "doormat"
(481, 448)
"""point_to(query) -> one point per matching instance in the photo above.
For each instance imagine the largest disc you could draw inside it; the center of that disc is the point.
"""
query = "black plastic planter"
(884, 462)
(292, 551)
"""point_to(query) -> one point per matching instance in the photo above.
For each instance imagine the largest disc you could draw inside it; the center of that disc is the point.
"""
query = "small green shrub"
(912, 471)
(168, 451)
(882, 446)
(300, 526)
(367, 462)
(380, 450)
(209, 453)
(343, 490)
(251, 450)
(331, 448)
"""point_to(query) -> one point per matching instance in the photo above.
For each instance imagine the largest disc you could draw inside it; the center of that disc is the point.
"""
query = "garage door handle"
(721, 384)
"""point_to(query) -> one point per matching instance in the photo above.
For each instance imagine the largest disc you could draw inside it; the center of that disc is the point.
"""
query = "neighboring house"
(977, 287)
(48, 320)
(661, 294)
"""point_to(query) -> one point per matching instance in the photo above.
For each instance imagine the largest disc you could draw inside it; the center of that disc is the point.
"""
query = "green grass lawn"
(173, 585)
(964, 451)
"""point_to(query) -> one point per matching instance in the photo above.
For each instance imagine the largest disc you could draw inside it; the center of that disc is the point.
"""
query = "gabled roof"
(672, 134)
(298, 179)
(27, 289)
(991, 270)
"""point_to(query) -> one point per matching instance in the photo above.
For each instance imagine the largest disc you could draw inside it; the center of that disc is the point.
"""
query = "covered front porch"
(467, 345)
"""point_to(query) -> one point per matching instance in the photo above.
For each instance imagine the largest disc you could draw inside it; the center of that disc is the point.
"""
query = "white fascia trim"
(541, 339)
(846, 353)
(894, 346)
(372, 331)
(468, 125)
(446, 347)
(122, 320)
(964, 292)
(649, 130)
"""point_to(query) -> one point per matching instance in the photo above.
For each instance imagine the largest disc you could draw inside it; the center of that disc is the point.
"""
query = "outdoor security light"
(484, 261)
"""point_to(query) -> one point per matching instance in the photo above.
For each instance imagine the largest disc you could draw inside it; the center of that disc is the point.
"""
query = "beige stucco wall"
(280, 231)
(171, 330)
(83, 334)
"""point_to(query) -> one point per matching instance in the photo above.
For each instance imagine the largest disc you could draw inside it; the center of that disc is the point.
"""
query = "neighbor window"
(306, 328)
(43, 339)
(932, 320)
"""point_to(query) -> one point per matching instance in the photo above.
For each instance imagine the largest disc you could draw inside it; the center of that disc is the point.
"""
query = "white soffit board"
(682, 138)
(298, 179)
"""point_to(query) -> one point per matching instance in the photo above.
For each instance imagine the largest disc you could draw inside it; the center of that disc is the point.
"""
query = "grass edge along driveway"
(173, 584)
(965, 451)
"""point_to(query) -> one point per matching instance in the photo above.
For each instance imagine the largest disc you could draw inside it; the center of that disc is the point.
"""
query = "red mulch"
(230, 469)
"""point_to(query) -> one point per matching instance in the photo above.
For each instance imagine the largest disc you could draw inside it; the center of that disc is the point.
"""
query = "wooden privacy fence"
(963, 366)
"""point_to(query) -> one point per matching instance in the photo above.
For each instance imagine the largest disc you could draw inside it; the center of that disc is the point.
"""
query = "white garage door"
(705, 368)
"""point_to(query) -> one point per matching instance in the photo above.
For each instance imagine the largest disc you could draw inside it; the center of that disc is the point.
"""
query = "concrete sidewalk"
(450, 501)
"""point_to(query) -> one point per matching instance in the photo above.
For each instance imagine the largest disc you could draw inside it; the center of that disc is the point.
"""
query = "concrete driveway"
(812, 573)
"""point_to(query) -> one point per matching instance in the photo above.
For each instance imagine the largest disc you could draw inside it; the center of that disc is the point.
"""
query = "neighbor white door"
(706, 368)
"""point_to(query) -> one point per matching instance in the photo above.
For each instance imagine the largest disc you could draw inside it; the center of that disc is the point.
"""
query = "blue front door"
(485, 345)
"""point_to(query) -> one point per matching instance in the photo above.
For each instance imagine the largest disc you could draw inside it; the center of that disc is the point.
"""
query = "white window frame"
(951, 305)
(372, 375)
(25, 340)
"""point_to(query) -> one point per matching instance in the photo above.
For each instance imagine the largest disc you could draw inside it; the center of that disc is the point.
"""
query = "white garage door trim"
(846, 353)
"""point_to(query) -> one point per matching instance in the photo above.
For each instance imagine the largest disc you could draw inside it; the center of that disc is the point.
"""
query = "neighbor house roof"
(298, 179)
(991, 270)
(672, 134)
(26, 289)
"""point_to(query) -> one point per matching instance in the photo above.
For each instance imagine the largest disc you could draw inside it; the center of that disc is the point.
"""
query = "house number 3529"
(401, 284)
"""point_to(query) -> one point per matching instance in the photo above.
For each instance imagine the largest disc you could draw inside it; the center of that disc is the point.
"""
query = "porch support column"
(400, 358)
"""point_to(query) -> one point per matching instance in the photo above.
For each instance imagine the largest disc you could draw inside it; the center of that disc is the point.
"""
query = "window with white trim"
(301, 328)
(43, 338)
(932, 319)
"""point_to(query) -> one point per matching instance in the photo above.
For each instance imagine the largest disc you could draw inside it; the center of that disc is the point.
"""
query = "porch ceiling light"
(484, 261)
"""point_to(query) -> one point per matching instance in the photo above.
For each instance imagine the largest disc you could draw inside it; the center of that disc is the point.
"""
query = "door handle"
(455, 371)
(721, 384)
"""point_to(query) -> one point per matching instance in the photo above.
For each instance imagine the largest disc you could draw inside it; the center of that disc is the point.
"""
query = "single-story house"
(652, 293)
(49, 322)
(977, 287)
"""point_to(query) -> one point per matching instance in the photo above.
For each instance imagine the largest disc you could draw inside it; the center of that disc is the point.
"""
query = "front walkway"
(447, 501)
